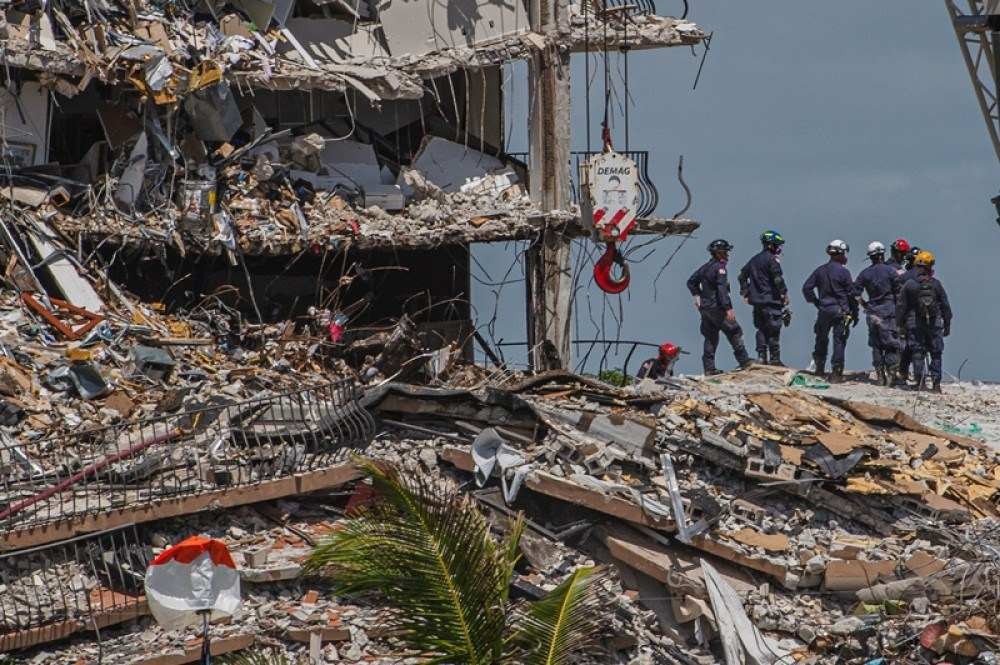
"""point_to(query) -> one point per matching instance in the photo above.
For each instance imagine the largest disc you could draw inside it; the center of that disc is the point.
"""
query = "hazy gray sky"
(821, 120)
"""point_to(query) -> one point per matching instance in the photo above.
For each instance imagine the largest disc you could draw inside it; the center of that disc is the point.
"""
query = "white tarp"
(742, 643)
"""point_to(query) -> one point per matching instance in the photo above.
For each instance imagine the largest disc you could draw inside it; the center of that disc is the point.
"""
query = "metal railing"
(591, 345)
(78, 584)
(597, 8)
(649, 197)
(191, 452)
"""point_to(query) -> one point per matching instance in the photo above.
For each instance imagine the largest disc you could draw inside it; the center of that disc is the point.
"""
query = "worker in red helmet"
(898, 252)
(662, 365)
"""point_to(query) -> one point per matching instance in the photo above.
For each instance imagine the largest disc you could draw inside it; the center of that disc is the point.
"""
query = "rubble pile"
(840, 530)
(847, 529)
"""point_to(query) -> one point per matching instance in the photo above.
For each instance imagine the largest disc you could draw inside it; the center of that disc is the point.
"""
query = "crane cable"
(612, 254)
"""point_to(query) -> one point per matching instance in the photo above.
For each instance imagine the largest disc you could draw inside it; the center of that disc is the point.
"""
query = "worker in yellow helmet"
(926, 313)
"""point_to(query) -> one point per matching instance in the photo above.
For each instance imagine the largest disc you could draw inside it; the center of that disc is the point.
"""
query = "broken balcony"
(300, 124)
(230, 452)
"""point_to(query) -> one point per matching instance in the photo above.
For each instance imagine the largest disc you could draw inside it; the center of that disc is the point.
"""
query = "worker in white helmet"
(831, 289)
(881, 284)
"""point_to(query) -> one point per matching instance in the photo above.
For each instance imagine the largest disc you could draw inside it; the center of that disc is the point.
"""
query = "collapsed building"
(302, 154)
(236, 241)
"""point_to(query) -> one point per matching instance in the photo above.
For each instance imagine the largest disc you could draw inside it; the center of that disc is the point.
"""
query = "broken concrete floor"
(839, 531)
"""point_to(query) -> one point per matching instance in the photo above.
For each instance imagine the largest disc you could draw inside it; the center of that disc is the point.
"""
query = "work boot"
(712, 372)
(837, 374)
(880, 375)
(761, 358)
(820, 363)
(890, 375)
(918, 382)
(936, 386)
(775, 360)
(747, 364)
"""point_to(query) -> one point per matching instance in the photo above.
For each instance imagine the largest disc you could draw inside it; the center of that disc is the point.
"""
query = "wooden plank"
(649, 560)
(674, 566)
(174, 507)
(567, 490)
(326, 634)
(30, 637)
(723, 551)
(193, 652)
(886, 416)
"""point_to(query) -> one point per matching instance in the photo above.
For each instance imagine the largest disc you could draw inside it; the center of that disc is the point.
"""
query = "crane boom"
(978, 32)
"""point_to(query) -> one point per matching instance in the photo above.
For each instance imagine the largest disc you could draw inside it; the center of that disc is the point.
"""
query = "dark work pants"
(905, 351)
(827, 321)
(713, 321)
(767, 321)
(926, 340)
(883, 336)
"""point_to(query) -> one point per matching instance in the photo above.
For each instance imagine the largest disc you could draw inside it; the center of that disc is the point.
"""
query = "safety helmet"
(924, 258)
(837, 247)
(914, 250)
(669, 350)
(772, 238)
(900, 245)
(719, 245)
(875, 248)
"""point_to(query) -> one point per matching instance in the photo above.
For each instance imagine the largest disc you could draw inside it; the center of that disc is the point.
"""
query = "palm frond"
(257, 657)
(428, 550)
(565, 623)
(511, 550)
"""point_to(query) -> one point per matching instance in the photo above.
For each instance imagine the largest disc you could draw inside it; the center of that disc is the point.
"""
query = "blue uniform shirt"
(834, 285)
(761, 280)
(882, 285)
(908, 275)
(711, 283)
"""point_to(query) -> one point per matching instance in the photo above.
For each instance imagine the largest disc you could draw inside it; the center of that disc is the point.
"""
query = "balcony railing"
(84, 583)
(188, 453)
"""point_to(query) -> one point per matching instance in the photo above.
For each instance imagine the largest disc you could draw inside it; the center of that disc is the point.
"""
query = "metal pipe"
(80, 475)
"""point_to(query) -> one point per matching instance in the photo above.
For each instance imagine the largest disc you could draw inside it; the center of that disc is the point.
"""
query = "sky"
(819, 120)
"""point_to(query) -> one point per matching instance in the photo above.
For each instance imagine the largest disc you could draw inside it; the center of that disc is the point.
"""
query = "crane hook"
(602, 271)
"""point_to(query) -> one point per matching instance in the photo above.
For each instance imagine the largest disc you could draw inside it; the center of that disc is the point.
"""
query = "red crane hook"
(602, 271)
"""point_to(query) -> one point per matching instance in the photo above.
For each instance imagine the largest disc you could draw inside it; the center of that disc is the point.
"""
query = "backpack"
(927, 302)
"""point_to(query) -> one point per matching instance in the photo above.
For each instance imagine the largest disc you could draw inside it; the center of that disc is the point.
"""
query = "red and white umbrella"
(192, 581)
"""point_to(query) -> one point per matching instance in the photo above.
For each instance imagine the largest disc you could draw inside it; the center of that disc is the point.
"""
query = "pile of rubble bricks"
(743, 516)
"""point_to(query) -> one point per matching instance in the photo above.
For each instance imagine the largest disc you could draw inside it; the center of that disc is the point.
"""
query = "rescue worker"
(897, 256)
(925, 309)
(882, 285)
(763, 286)
(709, 285)
(662, 365)
(906, 353)
(830, 289)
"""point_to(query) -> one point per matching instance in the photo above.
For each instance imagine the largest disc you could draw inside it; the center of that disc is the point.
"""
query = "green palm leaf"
(258, 657)
(565, 623)
(428, 550)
